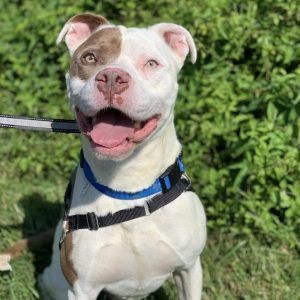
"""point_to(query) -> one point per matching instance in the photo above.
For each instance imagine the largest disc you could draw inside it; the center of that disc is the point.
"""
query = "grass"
(235, 267)
(240, 268)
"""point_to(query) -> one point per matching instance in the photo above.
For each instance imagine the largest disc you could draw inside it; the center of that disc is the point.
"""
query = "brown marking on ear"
(92, 20)
(104, 44)
(78, 28)
(65, 260)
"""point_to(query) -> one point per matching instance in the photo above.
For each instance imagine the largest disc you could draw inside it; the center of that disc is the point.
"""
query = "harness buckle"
(65, 226)
(187, 179)
(147, 210)
(92, 221)
(66, 229)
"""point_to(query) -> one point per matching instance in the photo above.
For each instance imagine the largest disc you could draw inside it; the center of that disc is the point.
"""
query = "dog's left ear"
(178, 39)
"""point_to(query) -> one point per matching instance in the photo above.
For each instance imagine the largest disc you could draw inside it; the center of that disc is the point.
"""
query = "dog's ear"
(79, 28)
(178, 39)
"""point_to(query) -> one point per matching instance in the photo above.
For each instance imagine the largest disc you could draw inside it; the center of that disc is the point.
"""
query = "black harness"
(179, 183)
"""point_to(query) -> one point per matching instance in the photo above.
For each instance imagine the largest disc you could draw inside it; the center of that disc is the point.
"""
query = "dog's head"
(122, 82)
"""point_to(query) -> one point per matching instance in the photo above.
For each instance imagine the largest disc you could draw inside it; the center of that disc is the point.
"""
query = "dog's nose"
(112, 81)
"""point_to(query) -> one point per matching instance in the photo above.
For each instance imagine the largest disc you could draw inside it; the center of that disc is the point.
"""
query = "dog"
(122, 86)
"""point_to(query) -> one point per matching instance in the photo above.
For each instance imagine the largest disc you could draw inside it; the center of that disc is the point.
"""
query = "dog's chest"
(124, 251)
(135, 257)
(132, 259)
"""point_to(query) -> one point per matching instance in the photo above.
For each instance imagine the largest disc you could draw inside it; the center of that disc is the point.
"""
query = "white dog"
(132, 220)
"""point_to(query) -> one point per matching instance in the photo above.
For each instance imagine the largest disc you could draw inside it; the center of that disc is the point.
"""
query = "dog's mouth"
(111, 132)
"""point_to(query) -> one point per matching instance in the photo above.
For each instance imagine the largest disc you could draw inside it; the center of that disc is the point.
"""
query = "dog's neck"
(150, 160)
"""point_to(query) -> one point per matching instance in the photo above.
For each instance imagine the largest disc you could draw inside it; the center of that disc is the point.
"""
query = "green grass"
(244, 268)
(235, 267)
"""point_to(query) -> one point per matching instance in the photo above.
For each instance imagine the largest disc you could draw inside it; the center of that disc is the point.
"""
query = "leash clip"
(92, 221)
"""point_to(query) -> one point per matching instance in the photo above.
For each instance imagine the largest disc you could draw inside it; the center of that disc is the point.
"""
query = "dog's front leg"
(189, 282)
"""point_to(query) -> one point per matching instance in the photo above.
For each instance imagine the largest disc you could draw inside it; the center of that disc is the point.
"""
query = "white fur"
(134, 258)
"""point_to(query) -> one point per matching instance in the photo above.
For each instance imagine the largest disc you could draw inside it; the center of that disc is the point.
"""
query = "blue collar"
(161, 185)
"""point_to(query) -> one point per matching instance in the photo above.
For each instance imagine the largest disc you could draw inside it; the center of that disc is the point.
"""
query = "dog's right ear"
(78, 29)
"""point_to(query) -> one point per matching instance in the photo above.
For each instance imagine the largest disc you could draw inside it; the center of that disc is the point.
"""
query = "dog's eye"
(88, 58)
(152, 63)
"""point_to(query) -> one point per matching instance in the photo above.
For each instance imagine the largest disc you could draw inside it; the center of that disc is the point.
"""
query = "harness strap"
(68, 195)
(93, 222)
(67, 206)
(39, 124)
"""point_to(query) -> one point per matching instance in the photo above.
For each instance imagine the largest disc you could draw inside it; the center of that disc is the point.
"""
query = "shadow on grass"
(40, 216)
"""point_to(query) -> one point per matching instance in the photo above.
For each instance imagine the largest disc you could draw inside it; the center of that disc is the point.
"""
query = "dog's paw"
(4, 262)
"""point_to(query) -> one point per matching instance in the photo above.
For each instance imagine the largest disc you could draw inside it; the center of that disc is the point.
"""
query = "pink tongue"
(111, 129)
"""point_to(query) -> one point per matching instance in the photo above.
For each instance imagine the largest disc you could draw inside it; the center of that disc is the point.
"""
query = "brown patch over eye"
(101, 48)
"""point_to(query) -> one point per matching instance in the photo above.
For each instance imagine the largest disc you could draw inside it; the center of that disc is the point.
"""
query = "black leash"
(39, 124)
